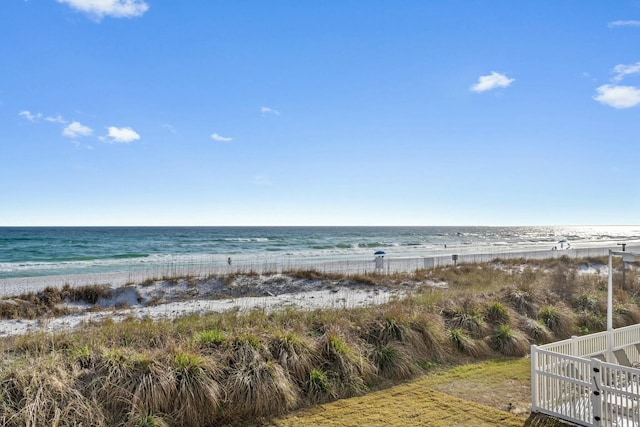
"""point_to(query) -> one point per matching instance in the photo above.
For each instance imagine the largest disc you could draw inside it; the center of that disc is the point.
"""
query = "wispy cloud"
(220, 138)
(616, 24)
(621, 71)
(30, 116)
(35, 117)
(76, 129)
(491, 81)
(123, 135)
(56, 119)
(618, 96)
(98, 9)
(269, 110)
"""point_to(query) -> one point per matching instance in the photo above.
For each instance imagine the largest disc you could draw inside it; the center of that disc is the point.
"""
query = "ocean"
(43, 251)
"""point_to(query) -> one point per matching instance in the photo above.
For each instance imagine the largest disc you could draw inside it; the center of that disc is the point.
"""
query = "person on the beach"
(229, 260)
(379, 262)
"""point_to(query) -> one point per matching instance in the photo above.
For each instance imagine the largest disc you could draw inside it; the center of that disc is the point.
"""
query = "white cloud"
(220, 138)
(56, 119)
(616, 24)
(621, 71)
(29, 116)
(76, 129)
(268, 110)
(113, 8)
(491, 81)
(124, 135)
(618, 96)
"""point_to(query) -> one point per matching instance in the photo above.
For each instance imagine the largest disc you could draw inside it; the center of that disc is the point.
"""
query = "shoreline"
(18, 285)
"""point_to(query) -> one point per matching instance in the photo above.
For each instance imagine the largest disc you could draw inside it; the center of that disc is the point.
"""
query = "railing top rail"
(578, 359)
(555, 346)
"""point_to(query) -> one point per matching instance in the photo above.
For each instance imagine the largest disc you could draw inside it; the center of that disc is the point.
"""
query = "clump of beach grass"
(43, 392)
(468, 317)
(508, 341)
(197, 395)
(319, 387)
(522, 300)
(625, 314)
(560, 321)
(345, 364)
(295, 353)
(147, 420)
(497, 314)
(257, 386)
(394, 361)
(209, 339)
(536, 330)
(465, 344)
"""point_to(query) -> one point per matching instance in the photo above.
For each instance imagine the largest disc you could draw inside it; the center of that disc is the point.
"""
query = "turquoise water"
(38, 251)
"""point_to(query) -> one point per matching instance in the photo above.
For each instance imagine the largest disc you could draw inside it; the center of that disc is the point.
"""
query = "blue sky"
(161, 112)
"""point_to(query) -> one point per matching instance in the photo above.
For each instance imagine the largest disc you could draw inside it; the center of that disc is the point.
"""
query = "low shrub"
(89, 294)
(589, 322)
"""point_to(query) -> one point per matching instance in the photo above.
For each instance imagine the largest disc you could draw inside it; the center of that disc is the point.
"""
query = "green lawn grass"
(490, 393)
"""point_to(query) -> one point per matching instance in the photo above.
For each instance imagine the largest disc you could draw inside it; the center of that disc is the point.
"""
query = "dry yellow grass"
(468, 395)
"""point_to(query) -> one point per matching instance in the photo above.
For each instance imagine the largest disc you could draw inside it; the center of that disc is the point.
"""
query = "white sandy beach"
(137, 295)
(173, 298)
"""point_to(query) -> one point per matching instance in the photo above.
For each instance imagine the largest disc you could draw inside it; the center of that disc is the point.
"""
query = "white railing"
(584, 380)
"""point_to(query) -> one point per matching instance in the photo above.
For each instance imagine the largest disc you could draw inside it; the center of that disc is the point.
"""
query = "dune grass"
(248, 367)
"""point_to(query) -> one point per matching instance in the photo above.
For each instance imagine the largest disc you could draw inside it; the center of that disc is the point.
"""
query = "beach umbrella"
(562, 241)
(379, 253)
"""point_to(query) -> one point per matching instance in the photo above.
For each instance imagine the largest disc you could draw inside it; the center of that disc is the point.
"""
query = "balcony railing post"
(534, 378)
(596, 393)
